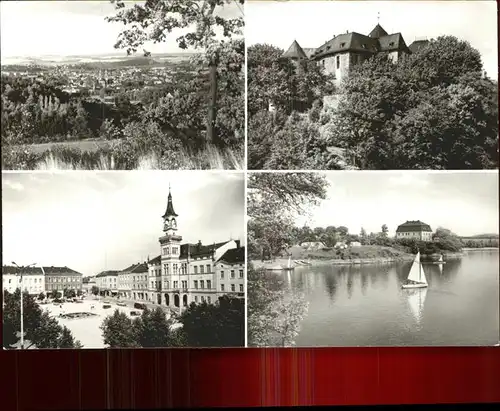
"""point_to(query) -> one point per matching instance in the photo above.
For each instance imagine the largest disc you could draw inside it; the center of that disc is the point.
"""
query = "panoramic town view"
(372, 85)
(126, 95)
(373, 259)
(123, 260)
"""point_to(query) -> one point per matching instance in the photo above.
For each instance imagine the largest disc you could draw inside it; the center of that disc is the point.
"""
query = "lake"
(365, 305)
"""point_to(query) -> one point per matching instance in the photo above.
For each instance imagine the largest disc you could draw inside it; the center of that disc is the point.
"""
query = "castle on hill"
(343, 51)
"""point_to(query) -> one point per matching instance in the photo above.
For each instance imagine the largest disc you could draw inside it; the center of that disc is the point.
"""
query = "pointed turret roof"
(170, 212)
(295, 51)
(378, 32)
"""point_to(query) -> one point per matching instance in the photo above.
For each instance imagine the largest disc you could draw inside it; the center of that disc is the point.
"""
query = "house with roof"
(61, 278)
(107, 282)
(414, 230)
(343, 51)
(229, 272)
(33, 279)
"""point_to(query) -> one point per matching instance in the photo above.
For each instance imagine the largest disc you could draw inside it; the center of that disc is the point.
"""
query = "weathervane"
(378, 17)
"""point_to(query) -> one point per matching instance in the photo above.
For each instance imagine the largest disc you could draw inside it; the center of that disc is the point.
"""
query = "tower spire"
(378, 17)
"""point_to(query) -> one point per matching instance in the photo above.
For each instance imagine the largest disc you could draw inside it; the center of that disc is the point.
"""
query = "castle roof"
(348, 42)
(413, 226)
(309, 51)
(392, 42)
(295, 51)
(378, 32)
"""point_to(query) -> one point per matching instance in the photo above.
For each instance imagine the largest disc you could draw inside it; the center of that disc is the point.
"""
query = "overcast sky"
(92, 221)
(312, 23)
(63, 28)
(464, 202)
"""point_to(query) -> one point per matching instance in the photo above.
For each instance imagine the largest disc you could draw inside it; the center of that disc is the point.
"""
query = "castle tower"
(295, 54)
(170, 244)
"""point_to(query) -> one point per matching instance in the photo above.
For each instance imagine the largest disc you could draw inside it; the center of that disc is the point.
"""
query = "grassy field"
(83, 145)
(111, 155)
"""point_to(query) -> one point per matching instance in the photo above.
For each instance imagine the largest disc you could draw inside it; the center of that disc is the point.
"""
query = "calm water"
(365, 305)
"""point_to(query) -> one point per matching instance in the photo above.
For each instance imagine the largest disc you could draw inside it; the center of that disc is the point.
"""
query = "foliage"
(153, 329)
(274, 314)
(94, 290)
(69, 293)
(273, 202)
(56, 294)
(41, 296)
(433, 109)
(215, 325)
(41, 331)
(118, 331)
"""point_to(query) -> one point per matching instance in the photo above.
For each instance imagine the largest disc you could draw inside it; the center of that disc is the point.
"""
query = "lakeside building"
(230, 272)
(343, 51)
(41, 279)
(414, 230)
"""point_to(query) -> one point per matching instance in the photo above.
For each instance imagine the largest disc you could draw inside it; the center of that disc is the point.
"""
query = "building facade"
(186, 273)
(107, 283)
(230, 273)
(33, 280)
(345, 50)
(416, 230)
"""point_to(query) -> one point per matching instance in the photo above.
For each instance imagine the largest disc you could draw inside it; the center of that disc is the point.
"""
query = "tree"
(273, 202)
(79, 293)
(94, 290)
(41, 296)
(152, 21)
(56, 294)
(433, 109)
(69, 293)
(385, 230)
(215, 325)
(362, 234)
(274, 315)
(118, 331)
(41, 330)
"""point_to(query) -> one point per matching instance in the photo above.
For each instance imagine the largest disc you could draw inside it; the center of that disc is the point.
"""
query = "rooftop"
(109, 273)
(7, 269)
(412, 226)
(234, 256)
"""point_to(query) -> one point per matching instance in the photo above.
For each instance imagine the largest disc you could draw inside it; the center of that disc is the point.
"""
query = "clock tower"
(170, 244)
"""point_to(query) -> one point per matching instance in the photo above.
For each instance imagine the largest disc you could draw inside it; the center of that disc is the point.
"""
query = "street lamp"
(22, 313)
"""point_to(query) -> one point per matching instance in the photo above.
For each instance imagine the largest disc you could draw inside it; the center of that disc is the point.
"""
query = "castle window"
(391, 43)
(338, 62)
(328, 47)
(342, 44)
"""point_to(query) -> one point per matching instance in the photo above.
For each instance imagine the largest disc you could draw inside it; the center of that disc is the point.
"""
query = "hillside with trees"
(433, 109)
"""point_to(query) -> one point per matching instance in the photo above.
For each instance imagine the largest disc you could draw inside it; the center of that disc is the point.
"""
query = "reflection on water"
(365, 305)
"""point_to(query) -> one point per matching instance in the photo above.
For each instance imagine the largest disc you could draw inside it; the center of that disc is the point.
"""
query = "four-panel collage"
(230, 173)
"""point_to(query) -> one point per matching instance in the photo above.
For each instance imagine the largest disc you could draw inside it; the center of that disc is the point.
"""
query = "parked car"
(121, 304)
(140, 306)
(134, 313)
(106, 306)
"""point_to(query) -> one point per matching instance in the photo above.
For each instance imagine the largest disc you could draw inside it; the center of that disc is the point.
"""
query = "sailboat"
(290, 266)
(416, 300)
(416, 278)
(440, 261)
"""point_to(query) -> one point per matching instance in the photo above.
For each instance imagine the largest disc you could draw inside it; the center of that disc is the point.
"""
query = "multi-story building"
(414, 230)
(230, 272)
(125, 283)
(62, 278)
(343, 51)
(87, 284)
(107, 282)
(33, 279)
(140, 282)
(185, 273)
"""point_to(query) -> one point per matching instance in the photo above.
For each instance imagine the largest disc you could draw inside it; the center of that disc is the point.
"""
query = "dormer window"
(391, 43)
(328, 47)
(342, 44)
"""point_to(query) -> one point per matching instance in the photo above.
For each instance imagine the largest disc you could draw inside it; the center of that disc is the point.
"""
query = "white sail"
(415, 270)
(416, 302)
(290, 261)
(440, 269)
(441, 258)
